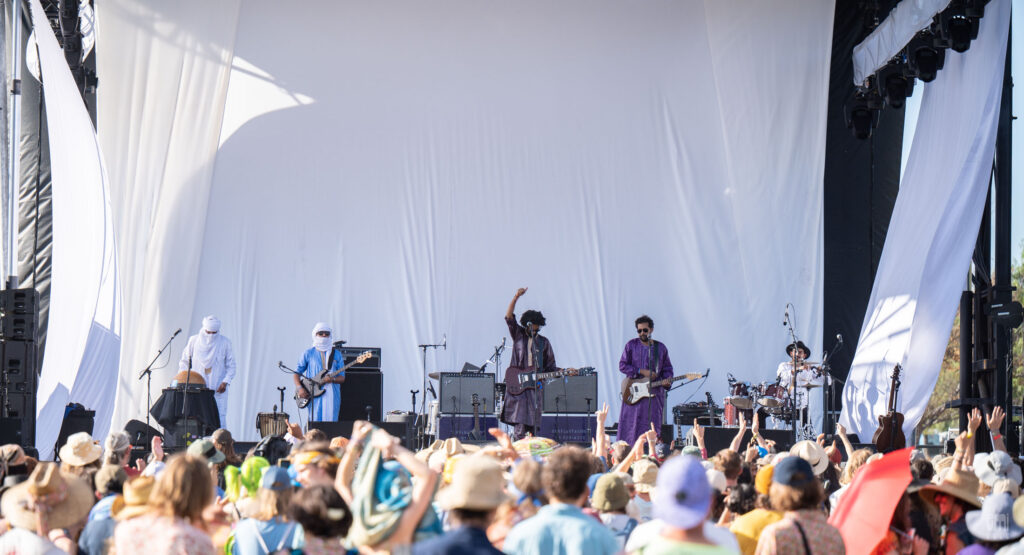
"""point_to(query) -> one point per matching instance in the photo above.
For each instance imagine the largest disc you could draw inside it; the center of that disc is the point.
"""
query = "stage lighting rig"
(893, 83)
(924, 59)
(954, 27)
(862, 112)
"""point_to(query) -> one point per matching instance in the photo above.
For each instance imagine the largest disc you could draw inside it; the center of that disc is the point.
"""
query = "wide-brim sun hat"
(990, 467)
(477, 486)
(994, 522)
(683, 495)
(813, 453)
(80, 450)
(961, 484)
(66, 500)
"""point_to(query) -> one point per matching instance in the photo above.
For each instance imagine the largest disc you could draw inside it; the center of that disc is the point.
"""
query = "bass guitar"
(636, 389)
(889, 434)
(518, 380)
(315, 386)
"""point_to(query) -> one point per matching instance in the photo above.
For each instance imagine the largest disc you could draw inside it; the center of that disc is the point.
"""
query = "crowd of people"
(369, 494)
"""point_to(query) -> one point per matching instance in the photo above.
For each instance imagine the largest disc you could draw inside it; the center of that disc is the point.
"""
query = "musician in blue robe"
(322, 355)
(643, 357)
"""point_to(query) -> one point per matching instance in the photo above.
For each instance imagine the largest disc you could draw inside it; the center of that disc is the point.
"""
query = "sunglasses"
(643, 330)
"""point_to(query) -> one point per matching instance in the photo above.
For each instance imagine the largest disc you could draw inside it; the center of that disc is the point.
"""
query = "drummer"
(809, 381)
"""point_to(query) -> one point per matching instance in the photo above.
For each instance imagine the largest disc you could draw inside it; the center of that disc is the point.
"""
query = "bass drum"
(739, 396)
(773, 395)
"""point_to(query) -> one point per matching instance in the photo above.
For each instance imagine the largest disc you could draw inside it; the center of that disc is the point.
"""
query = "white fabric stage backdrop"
(932, 233)
(399, 169)
(83, 337)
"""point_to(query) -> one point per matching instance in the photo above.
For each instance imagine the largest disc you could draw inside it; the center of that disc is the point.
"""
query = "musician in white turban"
(209, 353)
(322, 408)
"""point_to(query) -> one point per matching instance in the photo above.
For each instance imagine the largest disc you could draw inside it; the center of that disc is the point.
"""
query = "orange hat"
(339, 442)
(763, 480)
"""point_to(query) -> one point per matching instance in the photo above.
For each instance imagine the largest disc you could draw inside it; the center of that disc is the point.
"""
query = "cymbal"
(434, 375)
(810, 386)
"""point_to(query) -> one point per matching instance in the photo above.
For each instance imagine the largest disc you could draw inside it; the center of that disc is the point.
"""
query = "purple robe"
(636, 419)
(524, 410)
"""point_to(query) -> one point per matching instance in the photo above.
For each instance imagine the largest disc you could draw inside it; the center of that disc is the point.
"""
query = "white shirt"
(804, 377)
(23, 542)
(222, 367)
(644, 533)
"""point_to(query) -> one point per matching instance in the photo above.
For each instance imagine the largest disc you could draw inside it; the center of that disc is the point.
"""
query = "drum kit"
(770, 398)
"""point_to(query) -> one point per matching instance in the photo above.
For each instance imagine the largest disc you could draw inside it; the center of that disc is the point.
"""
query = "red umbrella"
(865, 509)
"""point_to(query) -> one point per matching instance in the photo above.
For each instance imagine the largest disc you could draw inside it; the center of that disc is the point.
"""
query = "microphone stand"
(792, 379)
(829, 393)
(420, 437)
(148, 373)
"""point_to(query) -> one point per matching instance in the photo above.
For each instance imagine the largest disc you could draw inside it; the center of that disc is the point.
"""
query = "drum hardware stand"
(414, 392)
(280, 391)
(420, 437)
(147, 372)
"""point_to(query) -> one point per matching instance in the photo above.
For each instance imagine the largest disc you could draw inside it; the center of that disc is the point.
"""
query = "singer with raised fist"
(210, 355)
(531, 352)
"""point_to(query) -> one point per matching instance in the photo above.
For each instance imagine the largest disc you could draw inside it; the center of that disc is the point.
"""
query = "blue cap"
(276, 478)
(792, 471)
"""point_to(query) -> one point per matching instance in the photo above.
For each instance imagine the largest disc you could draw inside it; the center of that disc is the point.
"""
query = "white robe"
(222, 369)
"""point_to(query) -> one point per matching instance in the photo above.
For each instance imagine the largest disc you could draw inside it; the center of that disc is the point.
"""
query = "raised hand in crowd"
(294, 429)
(995, 424)
(841, 432)
(737, 442)
(821, 439)
(698, 434)
(600, 445)
(156, 446)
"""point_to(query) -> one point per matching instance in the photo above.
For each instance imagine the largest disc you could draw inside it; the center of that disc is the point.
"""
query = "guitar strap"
(654, 360)
(538, 353)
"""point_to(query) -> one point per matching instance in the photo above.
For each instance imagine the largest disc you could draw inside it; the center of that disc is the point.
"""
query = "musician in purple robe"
(531, 352)
(644, 357)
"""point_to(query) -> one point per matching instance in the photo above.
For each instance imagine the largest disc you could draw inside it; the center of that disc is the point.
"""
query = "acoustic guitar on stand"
(889, 435)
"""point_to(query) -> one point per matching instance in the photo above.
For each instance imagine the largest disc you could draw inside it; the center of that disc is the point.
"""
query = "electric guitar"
(636, 389)
(475, 434)
(518, 380)
(315, 386)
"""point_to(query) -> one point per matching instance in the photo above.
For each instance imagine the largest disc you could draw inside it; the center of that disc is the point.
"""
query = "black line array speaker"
(570, 394)
(20, 309)
(457, 390)
(19, 319)
(361, 390)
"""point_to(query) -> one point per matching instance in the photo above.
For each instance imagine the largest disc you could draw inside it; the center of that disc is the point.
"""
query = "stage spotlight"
(893, 84)
(954, 28)
(924, 59)
(975, 8)
(862, 113)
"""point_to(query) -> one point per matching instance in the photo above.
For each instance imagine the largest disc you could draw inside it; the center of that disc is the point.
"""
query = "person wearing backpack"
(611, 495)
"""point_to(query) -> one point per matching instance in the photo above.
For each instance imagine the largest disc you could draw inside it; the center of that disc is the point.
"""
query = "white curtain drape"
(932, 233)
(399, 169)
(84, 335)
(892, 34)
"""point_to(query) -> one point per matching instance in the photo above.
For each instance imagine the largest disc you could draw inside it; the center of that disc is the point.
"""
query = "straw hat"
(12, 454)
(645, 475)
(813, 453)
(961, 484)
(67, 501)
(477, 486)
(135, 498)
(424, 454)
(80, 450)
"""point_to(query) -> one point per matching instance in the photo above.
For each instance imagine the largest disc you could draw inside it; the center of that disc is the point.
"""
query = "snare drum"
(739, 396)
(272, 423)
(773, 395)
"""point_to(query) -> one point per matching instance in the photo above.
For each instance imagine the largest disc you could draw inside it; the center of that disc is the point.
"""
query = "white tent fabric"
(892, 34)
(84, 342)
(932, 233)
(399, 169)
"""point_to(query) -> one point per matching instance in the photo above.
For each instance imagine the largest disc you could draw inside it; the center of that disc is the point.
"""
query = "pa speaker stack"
(19, 320)
(362, 394)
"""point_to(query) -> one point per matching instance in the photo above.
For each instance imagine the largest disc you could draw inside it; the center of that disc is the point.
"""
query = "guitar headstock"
(896, 373)
(364, 356)
(476, 400)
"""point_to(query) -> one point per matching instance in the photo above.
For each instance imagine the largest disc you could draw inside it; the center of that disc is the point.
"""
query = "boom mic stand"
(148, 373)
(788, 322)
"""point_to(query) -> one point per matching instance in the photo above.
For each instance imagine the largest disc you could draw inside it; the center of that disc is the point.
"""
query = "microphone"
(785, 319)
(444, 341)
(839, 337)
(176, 333)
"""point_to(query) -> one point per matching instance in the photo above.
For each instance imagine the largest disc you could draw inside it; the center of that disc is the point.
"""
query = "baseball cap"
(792, 471)
(206, 449)
(683, 494)
(276, 478)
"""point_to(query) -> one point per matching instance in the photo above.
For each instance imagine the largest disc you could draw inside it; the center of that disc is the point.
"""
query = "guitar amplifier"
(350, 353)
(457, 389)
(569, 394)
